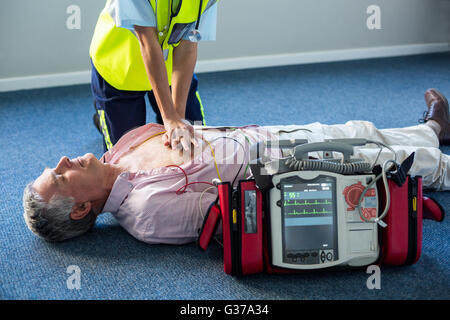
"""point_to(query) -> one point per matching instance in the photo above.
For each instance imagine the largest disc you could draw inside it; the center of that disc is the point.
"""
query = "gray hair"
(51, 220)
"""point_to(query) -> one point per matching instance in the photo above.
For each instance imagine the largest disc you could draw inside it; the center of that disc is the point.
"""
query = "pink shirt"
(145, 203)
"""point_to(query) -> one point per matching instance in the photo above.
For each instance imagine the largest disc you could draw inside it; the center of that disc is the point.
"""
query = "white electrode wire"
(203, 215)
(381, 145)
(200, 202)
(386, 187)
(388, 196)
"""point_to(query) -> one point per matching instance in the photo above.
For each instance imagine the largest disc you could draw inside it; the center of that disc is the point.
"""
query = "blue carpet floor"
(37, 127)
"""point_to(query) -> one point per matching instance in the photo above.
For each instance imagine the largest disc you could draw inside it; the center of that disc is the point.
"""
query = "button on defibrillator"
(352, 194)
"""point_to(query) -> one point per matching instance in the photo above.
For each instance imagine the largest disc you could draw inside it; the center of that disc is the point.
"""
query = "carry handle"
(301, 151)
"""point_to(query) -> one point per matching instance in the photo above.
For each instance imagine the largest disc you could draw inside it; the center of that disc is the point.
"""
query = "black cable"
(199, 15)
(243, 149)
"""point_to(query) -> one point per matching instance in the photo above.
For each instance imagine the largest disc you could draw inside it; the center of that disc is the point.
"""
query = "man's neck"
(112, 171)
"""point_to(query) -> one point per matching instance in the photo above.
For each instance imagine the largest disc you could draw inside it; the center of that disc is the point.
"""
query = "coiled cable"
(331, 165)
(351, 166)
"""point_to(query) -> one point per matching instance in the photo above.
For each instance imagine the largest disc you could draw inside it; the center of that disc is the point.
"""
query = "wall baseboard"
(83, 77)
(45, 81)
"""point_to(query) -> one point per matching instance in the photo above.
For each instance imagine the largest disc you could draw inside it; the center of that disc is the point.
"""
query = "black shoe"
(96, 119)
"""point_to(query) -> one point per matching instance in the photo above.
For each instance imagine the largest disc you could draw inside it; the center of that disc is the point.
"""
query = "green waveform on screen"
(306, 203)
(304, 212)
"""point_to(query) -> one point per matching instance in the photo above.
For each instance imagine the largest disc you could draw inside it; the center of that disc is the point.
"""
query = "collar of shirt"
(122, 186)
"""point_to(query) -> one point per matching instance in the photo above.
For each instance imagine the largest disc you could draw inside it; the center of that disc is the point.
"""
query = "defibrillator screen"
(309, 220)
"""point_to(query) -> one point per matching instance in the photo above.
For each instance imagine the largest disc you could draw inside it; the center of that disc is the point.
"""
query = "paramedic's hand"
(179, 134)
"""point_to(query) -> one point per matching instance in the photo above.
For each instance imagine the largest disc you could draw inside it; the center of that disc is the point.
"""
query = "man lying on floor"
(158, 195)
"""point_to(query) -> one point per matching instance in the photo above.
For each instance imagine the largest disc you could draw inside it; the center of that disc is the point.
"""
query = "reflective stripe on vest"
(115, 51)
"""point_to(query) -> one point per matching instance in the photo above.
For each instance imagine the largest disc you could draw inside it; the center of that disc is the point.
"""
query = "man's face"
(79, 178)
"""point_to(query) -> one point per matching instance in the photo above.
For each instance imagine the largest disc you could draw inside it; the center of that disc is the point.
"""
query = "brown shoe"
(438, 111)
(432, 95)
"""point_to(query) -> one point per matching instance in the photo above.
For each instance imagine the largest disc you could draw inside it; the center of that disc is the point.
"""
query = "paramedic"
(140, 47)
(159, 196)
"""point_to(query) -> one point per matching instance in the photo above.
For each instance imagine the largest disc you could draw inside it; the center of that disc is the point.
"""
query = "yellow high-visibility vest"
(115, 51)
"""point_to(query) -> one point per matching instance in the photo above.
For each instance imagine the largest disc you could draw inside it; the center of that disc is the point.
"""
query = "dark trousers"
(120, 111)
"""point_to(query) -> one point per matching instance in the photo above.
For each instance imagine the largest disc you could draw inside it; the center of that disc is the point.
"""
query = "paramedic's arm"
(184, 59)
(177, 131)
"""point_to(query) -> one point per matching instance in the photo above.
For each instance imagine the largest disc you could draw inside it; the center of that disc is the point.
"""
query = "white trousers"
(429, 161)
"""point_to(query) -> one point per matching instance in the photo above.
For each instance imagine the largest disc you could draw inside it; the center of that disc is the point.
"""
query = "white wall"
(37, 49)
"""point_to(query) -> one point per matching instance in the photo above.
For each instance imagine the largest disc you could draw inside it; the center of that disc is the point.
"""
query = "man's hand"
(179, 134)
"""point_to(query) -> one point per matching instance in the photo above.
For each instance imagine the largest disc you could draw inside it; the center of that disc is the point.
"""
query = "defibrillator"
(299, 212)
(315, 206)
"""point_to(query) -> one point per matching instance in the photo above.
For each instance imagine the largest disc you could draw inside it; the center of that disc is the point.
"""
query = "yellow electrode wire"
(156, 134)
(212, 150)
(214, 157)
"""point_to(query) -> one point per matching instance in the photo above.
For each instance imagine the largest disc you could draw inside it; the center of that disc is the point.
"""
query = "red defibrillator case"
(402, 237)
(242, 227)
(246, 232)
